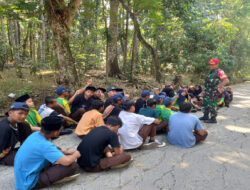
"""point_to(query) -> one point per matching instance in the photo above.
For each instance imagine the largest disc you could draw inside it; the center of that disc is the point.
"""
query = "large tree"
(60, 17)
(112, 68)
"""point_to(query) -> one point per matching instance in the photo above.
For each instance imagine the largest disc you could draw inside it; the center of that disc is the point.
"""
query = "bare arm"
(68, 119)
(67, 160)
(80, 91)
(223, 83)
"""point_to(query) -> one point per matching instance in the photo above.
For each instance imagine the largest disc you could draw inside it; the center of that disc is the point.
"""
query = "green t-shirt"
(64, 103)
(158, 108)
(166, 113)
(33, 118)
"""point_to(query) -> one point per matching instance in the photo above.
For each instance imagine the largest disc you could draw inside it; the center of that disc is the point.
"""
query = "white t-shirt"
(132, 123)
(45, 111)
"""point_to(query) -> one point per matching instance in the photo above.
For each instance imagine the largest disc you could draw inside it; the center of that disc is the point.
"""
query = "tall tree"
(144, 42)
(112, 68)
(60, 17)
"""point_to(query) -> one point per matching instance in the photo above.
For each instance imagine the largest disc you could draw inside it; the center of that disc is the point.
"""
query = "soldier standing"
(215, 80)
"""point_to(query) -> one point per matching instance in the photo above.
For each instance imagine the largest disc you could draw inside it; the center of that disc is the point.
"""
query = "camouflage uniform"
(211, 93)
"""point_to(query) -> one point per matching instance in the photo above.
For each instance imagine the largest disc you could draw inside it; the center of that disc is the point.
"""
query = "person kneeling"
(31, 166)
(185, 129)
(97, 155)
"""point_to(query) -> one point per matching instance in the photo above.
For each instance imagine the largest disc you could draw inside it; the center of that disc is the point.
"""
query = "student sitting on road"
(150, 110)
(13, 129)
(91, 119)
(82, 103)
(159, 100)
(136, 128)
(185, 129)
(229, 96)
(32, 169)
(141, 102)
(33, 118)
(47, 110)
(115, 108)
(97, 155)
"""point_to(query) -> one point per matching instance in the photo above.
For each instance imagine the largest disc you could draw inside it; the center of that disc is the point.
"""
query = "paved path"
(221, 162)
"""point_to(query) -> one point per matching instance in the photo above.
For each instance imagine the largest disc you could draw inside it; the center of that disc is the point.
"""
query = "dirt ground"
(221, 162)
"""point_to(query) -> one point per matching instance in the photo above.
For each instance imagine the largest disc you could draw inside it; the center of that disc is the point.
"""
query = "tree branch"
(72, 9)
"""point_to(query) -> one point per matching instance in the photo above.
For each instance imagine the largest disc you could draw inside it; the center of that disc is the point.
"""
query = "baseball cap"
(110, 88)
(145, 93)
(60, 90)
(18, 106)
(118, 97)
(214, 61)
(158, 97)
(167, 101)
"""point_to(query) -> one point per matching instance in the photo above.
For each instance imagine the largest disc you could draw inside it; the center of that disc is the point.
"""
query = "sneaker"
(123, 165)
(67, 179)
(155, 143)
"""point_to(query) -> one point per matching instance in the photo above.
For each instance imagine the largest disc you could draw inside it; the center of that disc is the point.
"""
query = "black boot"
(212, 120)
(205, 117)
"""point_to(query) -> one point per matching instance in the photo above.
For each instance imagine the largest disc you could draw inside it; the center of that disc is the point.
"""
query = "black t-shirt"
(108, 102)
(9, 135)
(140, 103)
(93, 145)
(80, 102)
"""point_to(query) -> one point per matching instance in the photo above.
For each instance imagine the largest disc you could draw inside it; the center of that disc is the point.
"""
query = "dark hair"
(113, 121)
(97, 104)
(46, 132)
(185, 107)
(151, 102)
(127, 104)
(49, 100)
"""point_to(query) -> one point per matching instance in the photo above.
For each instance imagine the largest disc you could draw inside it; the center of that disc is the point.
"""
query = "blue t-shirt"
(35, 153)
(149, 112)
(181, 129)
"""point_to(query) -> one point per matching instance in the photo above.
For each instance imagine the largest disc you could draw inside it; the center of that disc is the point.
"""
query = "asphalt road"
(221, 162)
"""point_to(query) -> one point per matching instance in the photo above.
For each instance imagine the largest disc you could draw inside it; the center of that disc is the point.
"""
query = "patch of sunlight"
(46, 72)
(229, 160)
(245, 105)
(184, 165)
(242, 97)
(220, 117)
(237, 129)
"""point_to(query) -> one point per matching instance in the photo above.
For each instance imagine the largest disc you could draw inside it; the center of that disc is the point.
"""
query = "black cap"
(22, 98)
(52, 123)
(91, 88)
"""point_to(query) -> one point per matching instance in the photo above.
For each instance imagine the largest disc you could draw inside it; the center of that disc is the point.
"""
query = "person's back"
(149, 112)
(185, 129)
(91, 119)
(31, 158)
(93, 145)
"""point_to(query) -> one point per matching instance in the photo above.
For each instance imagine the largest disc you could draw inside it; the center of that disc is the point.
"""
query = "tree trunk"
(31, 41)
(25, 42)
(60, 18)
(5, 56)
(144, 42)
(126, 41)
(134, 55)
(106, 32)
(112, 66)
(43, 53)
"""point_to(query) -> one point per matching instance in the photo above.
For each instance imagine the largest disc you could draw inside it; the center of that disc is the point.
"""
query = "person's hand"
(157, 121)
(68, 152)
(77, 154)
(90, 81)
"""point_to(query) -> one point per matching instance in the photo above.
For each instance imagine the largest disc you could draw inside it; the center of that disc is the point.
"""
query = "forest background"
(46, 43)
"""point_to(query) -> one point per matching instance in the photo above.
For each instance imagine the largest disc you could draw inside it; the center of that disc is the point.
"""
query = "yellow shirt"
(89, 121)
